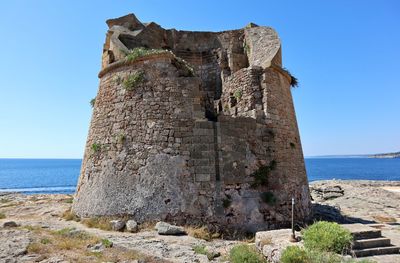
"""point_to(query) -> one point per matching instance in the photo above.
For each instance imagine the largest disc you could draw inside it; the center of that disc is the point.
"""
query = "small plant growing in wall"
(133, 80)
(96, 147)
(121, 138)
(238, 95)
(226, 107)
(93, 101)
(118, 80)
(246, 48)
(268, 198)
(261, 175)
(293, 80)
(188, 70)
(139, 52)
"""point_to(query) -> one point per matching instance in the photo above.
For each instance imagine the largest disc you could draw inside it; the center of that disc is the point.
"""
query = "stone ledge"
(140, 60)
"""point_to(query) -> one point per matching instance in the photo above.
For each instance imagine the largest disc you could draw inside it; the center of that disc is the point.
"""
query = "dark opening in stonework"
(232, 100)
(211, 115)
(219, 106)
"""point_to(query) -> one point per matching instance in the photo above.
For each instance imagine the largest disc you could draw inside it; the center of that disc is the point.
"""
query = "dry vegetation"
(70, 216)
(202, 233)
(147, 226)
(73, 245)
(102, 223)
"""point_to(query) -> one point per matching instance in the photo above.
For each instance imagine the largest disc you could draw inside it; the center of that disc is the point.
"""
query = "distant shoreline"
(379, 155)
(386, 155)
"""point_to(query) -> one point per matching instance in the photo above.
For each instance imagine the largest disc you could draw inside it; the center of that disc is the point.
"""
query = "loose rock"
(326, 192)
(132, 226)
(10, 224)
(117, 225)
(168, 229)
(99, 247)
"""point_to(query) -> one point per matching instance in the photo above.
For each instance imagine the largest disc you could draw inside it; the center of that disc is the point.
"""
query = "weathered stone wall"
(219, 147)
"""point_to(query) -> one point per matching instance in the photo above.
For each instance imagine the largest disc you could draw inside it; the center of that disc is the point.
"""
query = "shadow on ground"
(333, 214)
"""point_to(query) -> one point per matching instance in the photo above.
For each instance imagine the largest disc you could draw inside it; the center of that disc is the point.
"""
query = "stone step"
(371, 243)
(376, 251)
(367, 234)
(360, 231)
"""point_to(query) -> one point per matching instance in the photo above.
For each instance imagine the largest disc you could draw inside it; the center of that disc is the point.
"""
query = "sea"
(34, 176)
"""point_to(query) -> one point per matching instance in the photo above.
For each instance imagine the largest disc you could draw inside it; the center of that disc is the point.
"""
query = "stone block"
(203, 177)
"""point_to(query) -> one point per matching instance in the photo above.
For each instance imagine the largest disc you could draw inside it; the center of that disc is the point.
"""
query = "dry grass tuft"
(73, 245)
(35, 229)
(102, 223)
(265, 242)
(2, 215)
(202, 233)
(70, 216)
(37, 248)
(69, 200)
(147, 226)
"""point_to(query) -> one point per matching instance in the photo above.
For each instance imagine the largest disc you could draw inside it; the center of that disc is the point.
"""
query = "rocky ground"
(43, 235)
(357, 201)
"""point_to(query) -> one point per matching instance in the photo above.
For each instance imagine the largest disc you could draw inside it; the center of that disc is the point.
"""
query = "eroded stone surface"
(13, 244)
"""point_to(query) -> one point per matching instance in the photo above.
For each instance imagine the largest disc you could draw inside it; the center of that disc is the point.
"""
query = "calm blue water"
(39, 175)
(353, 168)
(60, 175)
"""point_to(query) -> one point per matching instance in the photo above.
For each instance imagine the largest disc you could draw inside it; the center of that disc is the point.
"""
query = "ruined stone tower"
(193, 128)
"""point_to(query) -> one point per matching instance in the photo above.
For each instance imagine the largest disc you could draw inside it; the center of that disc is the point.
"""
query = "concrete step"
(360, 231)
(376, 251)
(371, 243)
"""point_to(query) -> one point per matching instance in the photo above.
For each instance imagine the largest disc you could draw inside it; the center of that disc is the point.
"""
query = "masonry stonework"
(208, 135)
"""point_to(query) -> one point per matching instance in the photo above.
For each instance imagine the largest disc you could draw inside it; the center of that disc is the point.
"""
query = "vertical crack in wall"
(219, 210)
(217, 174)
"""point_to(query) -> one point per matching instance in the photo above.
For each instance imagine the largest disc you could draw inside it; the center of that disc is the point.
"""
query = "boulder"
(10, 224)
(132, 226)
(117, 225)
(168, 229)
(326, 192)
(99, 247)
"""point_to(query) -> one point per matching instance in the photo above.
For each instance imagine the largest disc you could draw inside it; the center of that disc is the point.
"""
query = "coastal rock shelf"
(348, 201)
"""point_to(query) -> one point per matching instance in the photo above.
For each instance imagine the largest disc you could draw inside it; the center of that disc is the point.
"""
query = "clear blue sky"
(345, 54)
